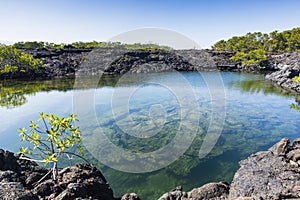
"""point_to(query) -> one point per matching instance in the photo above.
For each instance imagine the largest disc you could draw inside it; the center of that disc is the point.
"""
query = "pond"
(238, 113)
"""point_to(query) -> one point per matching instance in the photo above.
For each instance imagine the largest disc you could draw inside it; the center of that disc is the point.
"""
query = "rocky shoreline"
(280, 68)
(271, 174)
(68, 61)
(287, 66)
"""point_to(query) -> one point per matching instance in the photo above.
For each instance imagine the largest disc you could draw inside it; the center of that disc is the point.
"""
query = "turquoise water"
(143, 113)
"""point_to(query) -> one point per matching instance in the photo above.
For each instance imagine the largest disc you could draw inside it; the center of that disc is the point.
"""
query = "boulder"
(212, 191)
(272, 174)
(21, 179)
(131, 196)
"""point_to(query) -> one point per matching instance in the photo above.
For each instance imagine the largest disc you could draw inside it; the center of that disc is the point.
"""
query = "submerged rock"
(271, 174)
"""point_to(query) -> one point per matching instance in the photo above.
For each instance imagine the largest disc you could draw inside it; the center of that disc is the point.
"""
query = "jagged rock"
(16, 191)
(296, 143)
(70, 61)
(287, 66)
(131, 196)
(281, 148)
(213, 191)
(271, 174)
(19, 180)
(175, 194)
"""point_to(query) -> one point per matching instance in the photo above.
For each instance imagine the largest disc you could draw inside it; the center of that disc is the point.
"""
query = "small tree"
(51, 136)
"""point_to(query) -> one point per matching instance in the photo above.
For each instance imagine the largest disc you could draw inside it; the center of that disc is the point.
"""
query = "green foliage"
(90, 45)
(239, 57)
(275, 41)
(252, 48)
(14, 60)
(51, 136)
(136, 46)
(253, 57)
(35, 44)
(297, 79)
(256, 57)
(296, 107)
(146, 47)
(220, 45)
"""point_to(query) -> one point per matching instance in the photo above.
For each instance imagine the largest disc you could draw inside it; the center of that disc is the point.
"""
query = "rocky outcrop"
(58, 62)
(213, 191)
(69, 61)
(131, 196)
(121, 61)
(20, 179)
(272, 174)
(287, 66)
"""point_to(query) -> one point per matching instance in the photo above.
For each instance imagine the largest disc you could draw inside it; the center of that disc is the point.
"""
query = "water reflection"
(258, 85)
(257, 115)
(14, 93)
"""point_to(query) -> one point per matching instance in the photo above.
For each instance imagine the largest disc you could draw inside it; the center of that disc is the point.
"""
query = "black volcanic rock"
(70, 61)
(287, 66)
(212, 191)
(272, 174)
(20, 179)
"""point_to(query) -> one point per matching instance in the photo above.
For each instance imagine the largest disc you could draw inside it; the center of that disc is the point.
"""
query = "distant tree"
(220, 45)
(275, 41)
(252, 47)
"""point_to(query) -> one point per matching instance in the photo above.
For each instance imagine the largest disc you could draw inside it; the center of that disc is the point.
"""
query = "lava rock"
(23, 179)
(131, 196)
(212, 191)
(268, 175)
(287, 66)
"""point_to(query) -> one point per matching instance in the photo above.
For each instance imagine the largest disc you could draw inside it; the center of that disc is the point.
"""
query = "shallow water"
(144, 113)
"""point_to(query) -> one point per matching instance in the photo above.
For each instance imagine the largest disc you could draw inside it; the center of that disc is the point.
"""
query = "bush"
(14, 60)
(253, 57)
(51, 136)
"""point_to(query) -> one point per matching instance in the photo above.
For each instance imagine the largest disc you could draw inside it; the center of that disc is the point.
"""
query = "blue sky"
(202, 21)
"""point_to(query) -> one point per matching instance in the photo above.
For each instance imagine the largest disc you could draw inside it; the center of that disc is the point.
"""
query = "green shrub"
(253, 57)
(275, 41)
(14, 60)
(51, 136)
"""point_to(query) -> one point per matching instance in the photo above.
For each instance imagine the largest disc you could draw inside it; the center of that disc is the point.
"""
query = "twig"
(30, 159)
(43, 178)
(79, 156)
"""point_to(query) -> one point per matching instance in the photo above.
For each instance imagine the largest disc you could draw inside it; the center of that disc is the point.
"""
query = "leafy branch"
(51, 136)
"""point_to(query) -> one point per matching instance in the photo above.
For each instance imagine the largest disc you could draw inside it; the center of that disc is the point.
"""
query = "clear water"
(257, 115)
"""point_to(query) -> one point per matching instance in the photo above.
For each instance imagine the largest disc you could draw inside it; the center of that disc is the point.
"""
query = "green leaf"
(61, 135)
(22, 130)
